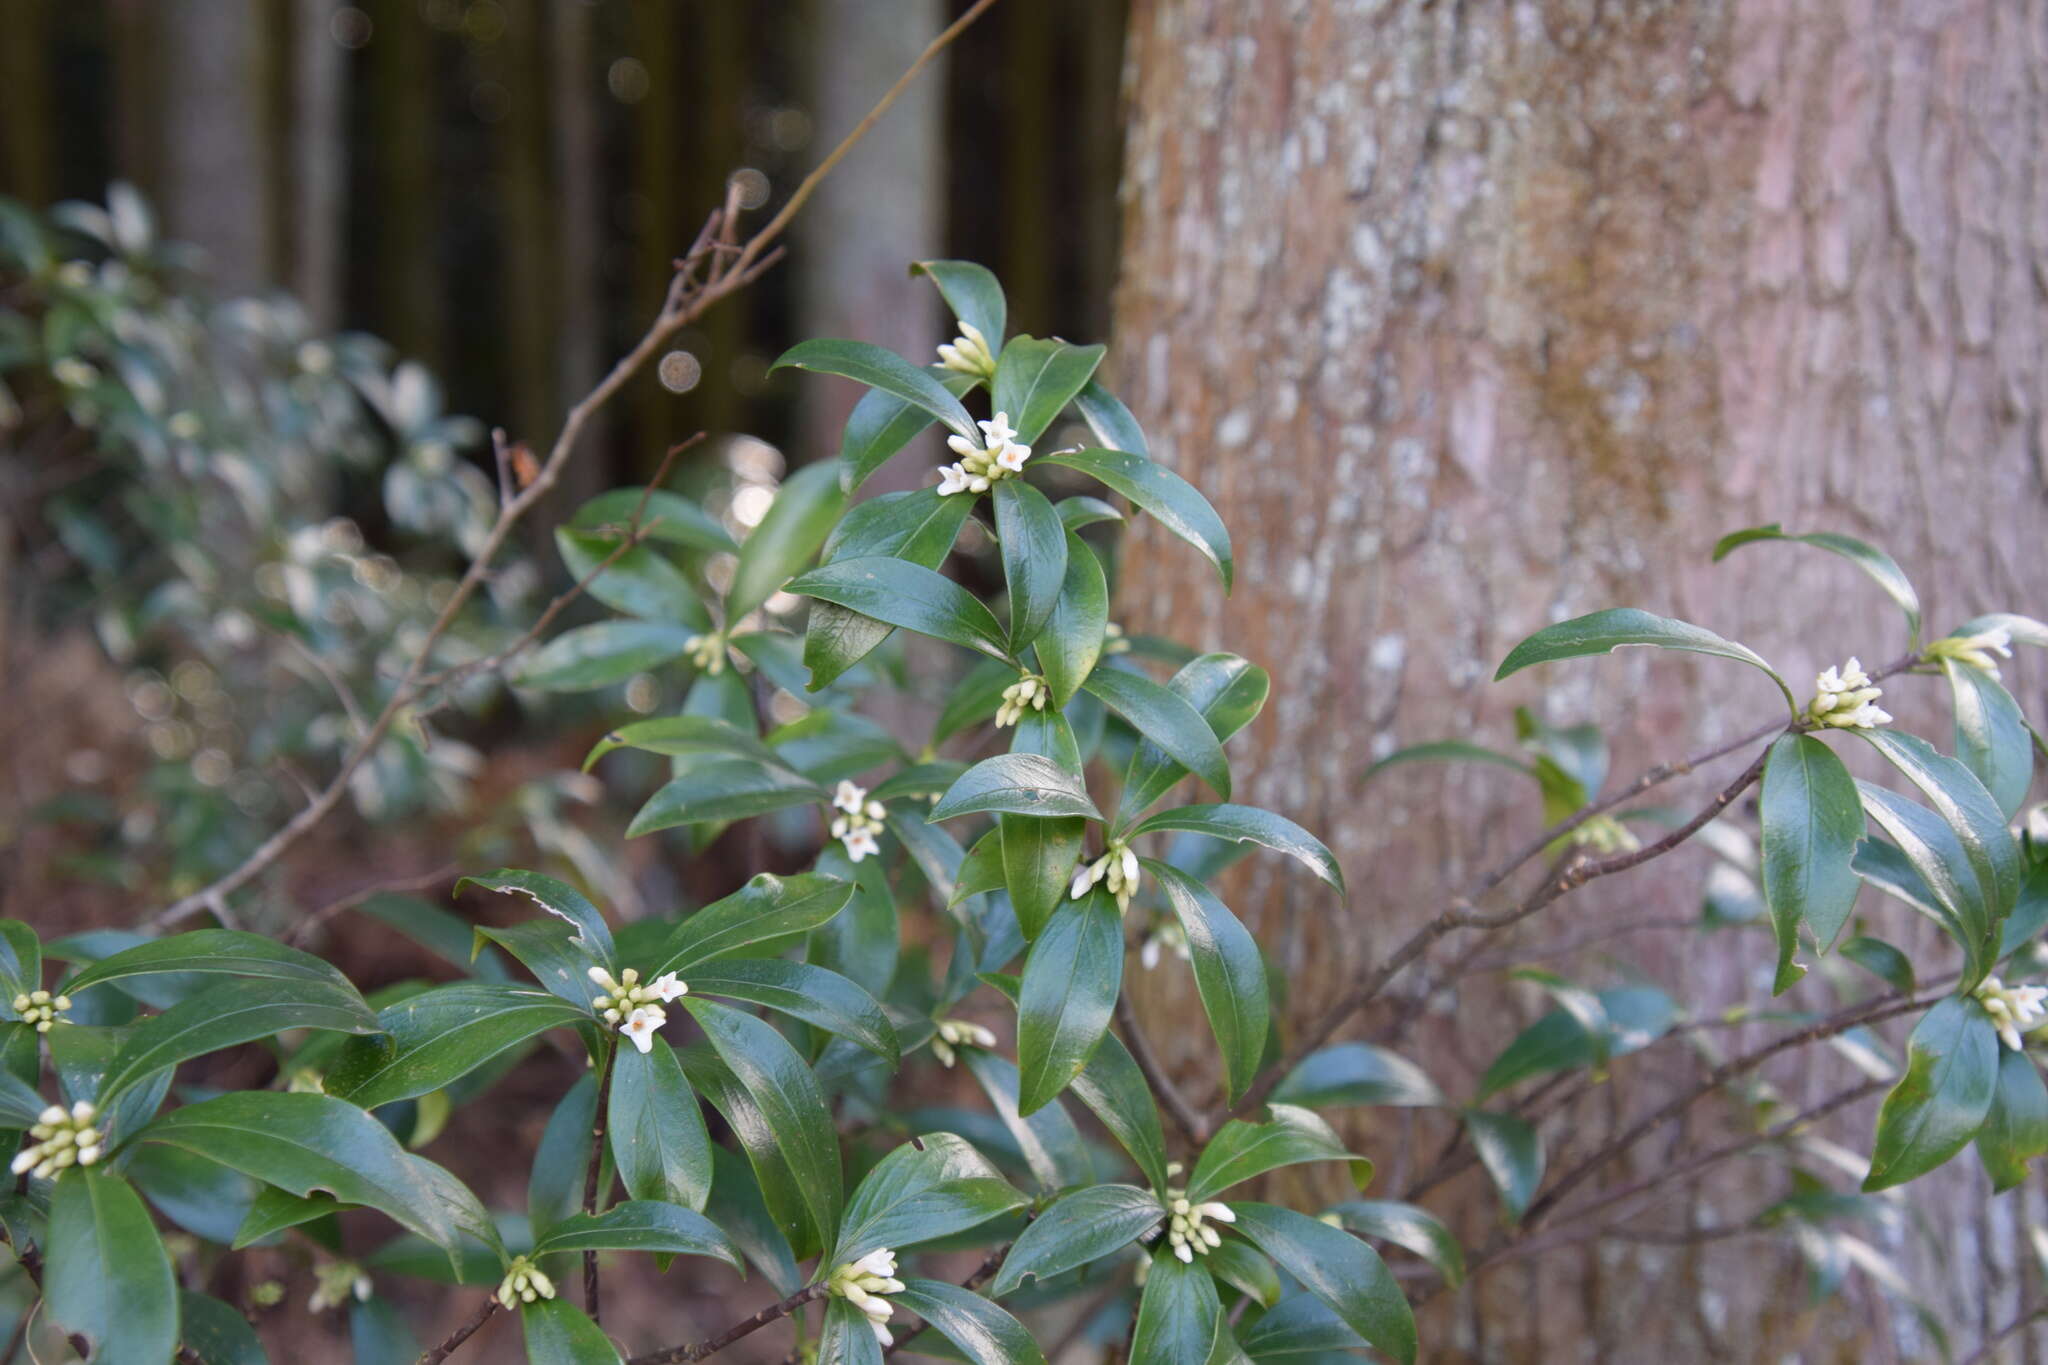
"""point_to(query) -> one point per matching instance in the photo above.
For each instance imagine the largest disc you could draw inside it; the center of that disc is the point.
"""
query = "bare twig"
(463, 1333)
(674, 1355)
(2011, 1329)
(590, 1190)
(422, 881)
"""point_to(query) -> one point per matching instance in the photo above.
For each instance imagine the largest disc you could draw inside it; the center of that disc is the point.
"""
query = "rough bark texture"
(1474, 316)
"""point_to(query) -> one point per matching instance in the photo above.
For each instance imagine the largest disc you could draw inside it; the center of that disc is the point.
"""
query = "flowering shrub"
(792, 1007)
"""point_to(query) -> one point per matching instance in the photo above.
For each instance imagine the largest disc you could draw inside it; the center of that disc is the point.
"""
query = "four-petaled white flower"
(2014, 1009)
(667, 987)
(1028, 693)
(863, 1283)
(1117, 869)
(642, 1024)
(1844, 698)
(634, 1006)
(1000, 456)
(860, 844)
(861, 822)
(1975, 650)
(969, 353)
(61, 1138)
(849, 797)
(954, 1033)
(1187, 1227)
(953, 479)
(524, 1283)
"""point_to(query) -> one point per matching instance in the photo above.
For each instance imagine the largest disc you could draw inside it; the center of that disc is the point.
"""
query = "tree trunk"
(213, 136)
(319, 160)
(1471, 317)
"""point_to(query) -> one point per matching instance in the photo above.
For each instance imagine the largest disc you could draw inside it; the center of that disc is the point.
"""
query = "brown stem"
(2012, 1329)
(774, 1311)
(1183, 1113)
(604, 1094)
(463, 1333)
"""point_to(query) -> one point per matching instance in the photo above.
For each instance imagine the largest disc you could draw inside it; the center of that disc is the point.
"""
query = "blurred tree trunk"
(1472, 317)
(213, 134)
(319, 160)
(531, 244)
(573, 85)
(409, 286)
(28, 143)
(856, 244)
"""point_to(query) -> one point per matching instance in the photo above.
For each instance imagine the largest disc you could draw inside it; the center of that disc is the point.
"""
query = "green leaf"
(1035, 380)
(1240, 1266)
(1230, 973)
(802, 515)
(1240, 1151)
(1227, 690)
(1812, 818)
(441, 1035)
(272, 1211)
(1299, 1326)
(1166, 718)
(1881, 960)
(789, 1099)
(1587, 1030)
(559, 899)
(932, 1188)
(667, 517)
(1944, 1097)
(208, 951)
(602, 654)
(1249, 824)
(236, 1011)
(1051, 1144)
(303, 1143)
(559, 1333)
(1072, 641)
(1345, 1273)
(675, 735)
(106, 1275)
(1082, 510)
(1077, 1229)
(900, 593)
(20, 1105)
(1873, 561)
(1992, 738)
(1358, 1073)
(1034, 549)
(640, 582)
(2025, 630)
(848, 1338)
(217, 1333)
(917, 527)
(553, 952)
(1929, 844)
(1023, 784)
(1110, 420)
(737, 1207)
(1448, 751)
(1605, 631)
(724, 789)
(972, 292)
(1960, 799)
(21, 958)
(983, 1333)
(1048, 734)
(201, 1196)
(1512, 1153)
(1038, 857)
(813, 994)
(1165, 494)
(554, 1189)
(2016, 1129)
(981, 871)
(1070, 985)
(1409, 1227)
(1180, 1317)
(882, 424)
(655, 1129)
(2029, 914)
(641, 1225)
(1113, 1087)
(880, 369)
(766, 910)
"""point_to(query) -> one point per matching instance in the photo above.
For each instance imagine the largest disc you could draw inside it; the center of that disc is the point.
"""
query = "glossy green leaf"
(934, 1187)
(656, 1132)
(724, 789)
(900, 593)
(1073, 637)
(1070, 985)
(1448, 751)
(1051, 1144)
(639, 581)
(1227, 690)
(1300, 1327)
(1036, 379)
(1607, 1024)
(981, 871)
(785, 1091)
(1110, 420)
(737, 1207)
(1038, 857)
(1407, 1226)
(21, 958)
(434, 1038)
(1881, 960)
(1358, 1073)
(106, 1275)
(1992, 738)
(827, 745)
(1944, 883)
(235, 1011)
(1023, 784)
(1167, 719)
(205, 952)
(1944, 1097)
(1605, 631)
(1114, 1089)
(1345, 1273)
(274, 1211)
(1230, 973)
(917, 527)
(217, 1333)
(767, 910)
(557, 898)
(554, 1189)
(881, 424)
(559, 1333)
(641, 1225)
(1179, 507)
(973, 293)
(1960, 799)
(1881, 567)
(1241, 1151)
(1077, 1229)
(2016, 1129)
(813, 994)
(1249, 824)
(2029, 913)
(848, 1338)
(664, 516)
(1081, 510)
(1812, 818)
(20, 1105)
(983, 1333)
(1034, 551)
(880, 369)
(802, 515)
(675, 735)
(553, 951)
(1179, 1317)
(1512, 1154)
(602, 654)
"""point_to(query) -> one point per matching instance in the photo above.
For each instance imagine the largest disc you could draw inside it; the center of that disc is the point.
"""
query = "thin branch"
(463, 1333)
(674, 1355)
(1184, 1114)
(2011, 1329)
(590, 1191)
(303, 930)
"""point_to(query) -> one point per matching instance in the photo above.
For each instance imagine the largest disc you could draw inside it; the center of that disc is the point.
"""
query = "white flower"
(860, 844)
(667, 987)
(1028, 693)
(1975, 650)
(999, 457)
(968, 353)
(863, 1283)
(40, 1008)
(1117, 869)
(952, 479)
(523, 1283)
(1114, 641)
(1187, 1228)
(641, 1025)
(61, 1138)
(1012, 458)
(848, 797)
(1844, 699)
(2014, 1009)
(862, 821)
(998, 431)
(1168, 937)
(954, 1033)
(335, 1283)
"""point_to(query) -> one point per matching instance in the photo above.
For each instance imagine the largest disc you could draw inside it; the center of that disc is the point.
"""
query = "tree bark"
(319, 160)
(217, 171)
(1472, 317)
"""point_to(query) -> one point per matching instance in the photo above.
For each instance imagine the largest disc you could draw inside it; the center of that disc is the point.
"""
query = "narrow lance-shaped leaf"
(1992, 738)
(1409, 1227)
(1954, 791)
(1074, 1230)
(557, 898)
(106, 1275)
(1228, 691)
(983, 1333)
(664, 516)
(655, 1128)
(973, 293)
(1932, 849)
(602, 654)
(675, 735)
(560, 1333)
(724, 789)
(641, 1225)
(881, 424)
(1036, 379)
(1179, 507)
(1512, 1154)
(637, 580)
(1880, 566)
(2016, 1129)
(936, 1187)
(880, 369)
(816, 995)
(1110, 420)
(1038, 858)
(1812, 818)
(1179, 1317)
(235, 1011)
(1944, 1097)
(227, 952)
(1249, 824)
(1070, 985)
(1230, 973)
(767, 910)
(1358, 1073)
(1024, 784)
(441, 1035)
(1073, 637)
(1241, 1151)
(909, 595)
(797, 522)
(1167, 719)
(1605, 631)
(1345, 1273)
(1034, 549)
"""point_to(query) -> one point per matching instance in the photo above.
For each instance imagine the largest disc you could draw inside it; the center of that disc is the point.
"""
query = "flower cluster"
(1117, 868)
(861, 821)
(636, 1009)
(979, 466)
(959, 1033)
(61, 1139)
(2014, 1009)
(1169, 937)
(969, 353)
(863, 1283)
(1028, 693)
(1845, 699)
(335, 1283)
(523, 1283)
(706, 653)
(40, 1008)
(1975, 650)
(1188, 1231)
(1114, 641)
(1605, 834)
